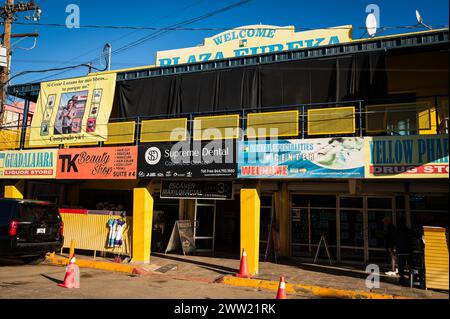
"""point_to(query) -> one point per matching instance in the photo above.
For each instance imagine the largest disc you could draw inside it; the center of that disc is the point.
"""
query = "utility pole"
(7, 14)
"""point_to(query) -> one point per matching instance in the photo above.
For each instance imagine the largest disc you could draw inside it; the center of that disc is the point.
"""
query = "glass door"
(380, 212)
(352, 230)
(205, 225)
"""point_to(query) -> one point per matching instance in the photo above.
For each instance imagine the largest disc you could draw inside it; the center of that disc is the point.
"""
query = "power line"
(138, 28)
(123, 36)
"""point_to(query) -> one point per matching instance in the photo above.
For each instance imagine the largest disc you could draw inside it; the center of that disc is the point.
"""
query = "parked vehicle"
(29, 229)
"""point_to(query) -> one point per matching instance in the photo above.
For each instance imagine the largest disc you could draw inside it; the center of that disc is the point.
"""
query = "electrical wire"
(121, 37)
(138, 28)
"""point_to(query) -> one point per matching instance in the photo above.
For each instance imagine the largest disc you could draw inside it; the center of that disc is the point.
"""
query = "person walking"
(389, 232)
(403, 243)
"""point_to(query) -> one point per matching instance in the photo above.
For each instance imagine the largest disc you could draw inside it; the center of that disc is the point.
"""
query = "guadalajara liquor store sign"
(252, 40)
(29, 164)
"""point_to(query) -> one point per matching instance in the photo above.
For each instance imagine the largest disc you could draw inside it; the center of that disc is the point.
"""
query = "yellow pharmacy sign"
(73, 111)
(253, 40)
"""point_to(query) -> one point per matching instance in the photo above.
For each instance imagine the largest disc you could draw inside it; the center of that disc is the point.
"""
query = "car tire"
(34, 260)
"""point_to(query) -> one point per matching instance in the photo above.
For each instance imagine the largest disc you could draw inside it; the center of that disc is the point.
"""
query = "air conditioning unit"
(3, 58)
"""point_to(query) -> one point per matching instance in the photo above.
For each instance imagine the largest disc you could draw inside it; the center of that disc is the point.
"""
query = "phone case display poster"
(73, 111)
(419, 156)
(341, 157)
(97, 163)
(29, 164)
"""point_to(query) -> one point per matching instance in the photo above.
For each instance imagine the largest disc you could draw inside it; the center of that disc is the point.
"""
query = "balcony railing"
(424, 115)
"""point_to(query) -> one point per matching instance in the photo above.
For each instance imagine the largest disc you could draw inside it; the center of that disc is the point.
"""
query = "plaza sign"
(252, 40)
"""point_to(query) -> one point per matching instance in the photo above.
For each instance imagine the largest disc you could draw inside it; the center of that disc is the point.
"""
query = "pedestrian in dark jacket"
(403, 242)
(389, 232)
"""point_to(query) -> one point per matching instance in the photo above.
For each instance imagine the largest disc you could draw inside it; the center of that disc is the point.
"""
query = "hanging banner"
(340, 157)
(73, 111)
(420, 156)
(185, 160)
(97, 163)
(28, 164)
(197, 190)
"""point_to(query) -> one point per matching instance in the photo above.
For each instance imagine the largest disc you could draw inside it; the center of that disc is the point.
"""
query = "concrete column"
(142, 222)
(15, 190)
(250, 223)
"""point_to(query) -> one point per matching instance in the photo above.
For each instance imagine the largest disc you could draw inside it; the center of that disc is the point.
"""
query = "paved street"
(24, 281)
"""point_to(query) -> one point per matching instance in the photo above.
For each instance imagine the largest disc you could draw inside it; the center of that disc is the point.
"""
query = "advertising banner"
(97, 163)
(420, 156)
(184, 160)
(340, 157)
(28, 164)
(197, 190)
(73, 111)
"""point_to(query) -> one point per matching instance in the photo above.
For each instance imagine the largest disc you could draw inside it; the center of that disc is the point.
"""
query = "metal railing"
(361, 116)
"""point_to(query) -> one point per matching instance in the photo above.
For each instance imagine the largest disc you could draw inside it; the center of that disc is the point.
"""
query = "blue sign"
(340, 157)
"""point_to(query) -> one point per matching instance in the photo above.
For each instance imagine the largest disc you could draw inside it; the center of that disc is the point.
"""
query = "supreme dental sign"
(252, 40)
(422, 156)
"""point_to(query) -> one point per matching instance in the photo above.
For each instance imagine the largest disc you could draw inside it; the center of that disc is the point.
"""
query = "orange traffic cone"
(281, 289)
(72, 277)
(243, 270)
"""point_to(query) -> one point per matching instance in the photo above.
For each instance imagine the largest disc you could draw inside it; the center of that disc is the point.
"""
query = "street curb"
(109, 266)
(300, 288)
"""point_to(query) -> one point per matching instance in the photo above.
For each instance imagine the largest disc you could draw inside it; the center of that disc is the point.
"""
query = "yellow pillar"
(15, 191)
(250, 221)
(142, 223)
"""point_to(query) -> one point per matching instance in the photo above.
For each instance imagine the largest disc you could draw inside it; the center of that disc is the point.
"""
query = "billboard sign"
(340, 157)
(28, 164)
(252, 40)
(420, 156)
(73, 111)
(97, 163)
(186, 160)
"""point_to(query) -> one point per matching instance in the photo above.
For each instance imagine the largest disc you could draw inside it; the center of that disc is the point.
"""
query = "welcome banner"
(73, 111)
(312, 158)
(29, 164)
(420, 156)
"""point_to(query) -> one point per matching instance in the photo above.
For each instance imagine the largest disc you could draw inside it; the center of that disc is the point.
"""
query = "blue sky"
(57, 46)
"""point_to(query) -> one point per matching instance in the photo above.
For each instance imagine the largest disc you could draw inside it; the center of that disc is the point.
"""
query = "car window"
(6, 211)
(32, 213)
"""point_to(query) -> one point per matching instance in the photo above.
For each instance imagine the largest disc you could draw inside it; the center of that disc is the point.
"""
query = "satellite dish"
(420, 20)
(419, 17)
(371, 25)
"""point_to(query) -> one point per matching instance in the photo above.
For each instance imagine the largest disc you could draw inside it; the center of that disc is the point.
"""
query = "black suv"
(29, 229)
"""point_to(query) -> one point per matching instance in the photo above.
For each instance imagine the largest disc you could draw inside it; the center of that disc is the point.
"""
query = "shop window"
(418, 202)
(340, 120)
(379, 202)
(436, 219)
(351, 202)
(314, 201)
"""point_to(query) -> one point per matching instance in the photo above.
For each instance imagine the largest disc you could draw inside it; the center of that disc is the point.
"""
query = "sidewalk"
(211, 269)
(319, 280)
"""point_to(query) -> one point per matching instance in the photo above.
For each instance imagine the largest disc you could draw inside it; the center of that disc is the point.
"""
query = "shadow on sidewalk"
(53, 279)
(215, 268)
